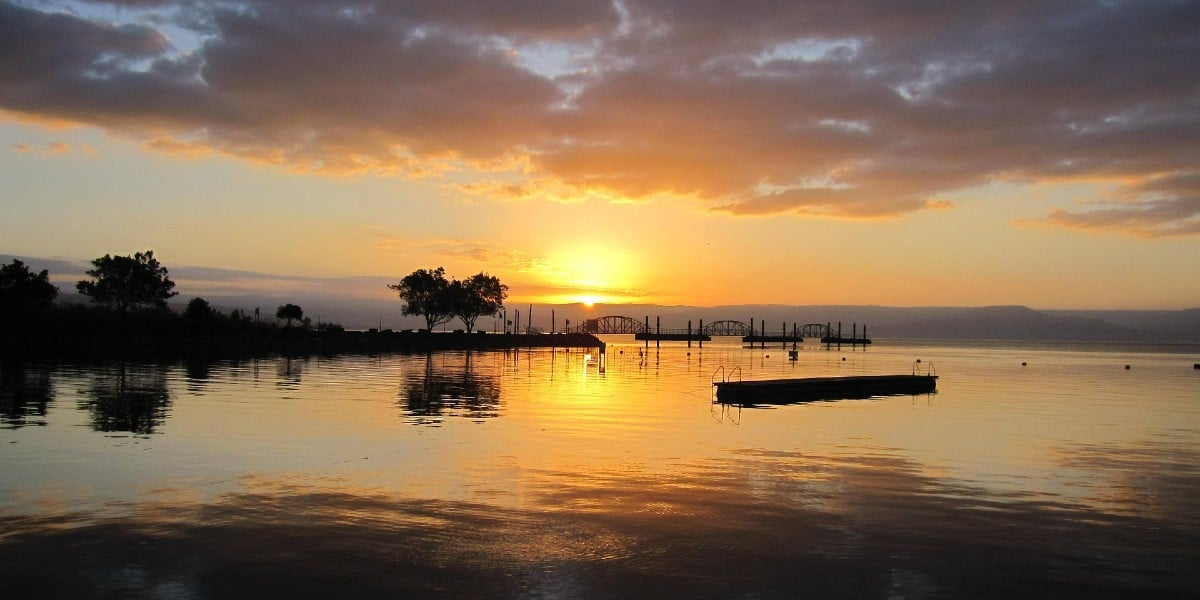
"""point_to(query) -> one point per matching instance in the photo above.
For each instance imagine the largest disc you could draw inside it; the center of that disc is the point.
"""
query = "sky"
(674, 152)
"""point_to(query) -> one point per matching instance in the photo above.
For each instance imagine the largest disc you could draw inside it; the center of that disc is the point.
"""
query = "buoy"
(1126, 367)
(844, 359)
(1022, 364)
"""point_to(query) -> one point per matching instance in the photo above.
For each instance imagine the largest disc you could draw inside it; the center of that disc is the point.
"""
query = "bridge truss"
(726, 328)
(814, 330)
(612, 324)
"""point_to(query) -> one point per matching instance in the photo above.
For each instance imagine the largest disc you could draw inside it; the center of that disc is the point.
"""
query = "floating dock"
(787, 391)
(847, 341)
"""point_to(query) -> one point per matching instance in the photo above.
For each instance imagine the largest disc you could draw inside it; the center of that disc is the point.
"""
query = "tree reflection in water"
(449, 387)
(288, 373)
(25, 392)
(198, 371)
(128, 398)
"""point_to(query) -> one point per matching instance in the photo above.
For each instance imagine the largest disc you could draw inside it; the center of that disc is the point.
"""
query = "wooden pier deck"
(665, 336)
(774, 339)
(787, 391)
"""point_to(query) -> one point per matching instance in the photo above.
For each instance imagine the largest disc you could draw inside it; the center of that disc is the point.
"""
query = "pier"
(672, 336)
(830, 338)
(750, 334)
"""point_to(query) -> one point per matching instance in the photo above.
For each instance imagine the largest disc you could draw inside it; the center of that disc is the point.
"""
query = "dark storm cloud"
(852, 109)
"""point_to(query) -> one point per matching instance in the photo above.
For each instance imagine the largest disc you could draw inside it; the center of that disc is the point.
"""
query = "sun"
(592, 274)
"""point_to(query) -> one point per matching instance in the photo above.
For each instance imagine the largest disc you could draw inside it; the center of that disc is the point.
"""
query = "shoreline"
(282, 342)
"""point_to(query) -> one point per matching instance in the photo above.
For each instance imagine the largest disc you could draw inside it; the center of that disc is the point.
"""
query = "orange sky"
(866, 153)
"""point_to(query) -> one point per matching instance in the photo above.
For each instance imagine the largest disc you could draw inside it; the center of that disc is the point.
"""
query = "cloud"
(1159, 207)
(861, 109)
(52, 148)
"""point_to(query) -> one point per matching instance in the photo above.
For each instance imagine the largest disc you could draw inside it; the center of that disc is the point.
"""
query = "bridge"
(726, 328)
(613, 324)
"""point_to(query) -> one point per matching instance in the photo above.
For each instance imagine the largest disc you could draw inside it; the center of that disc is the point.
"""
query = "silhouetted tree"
(290, 312)
(426, 293)
(198, 311)
(122, 282)
(480, 294)
(22, 290)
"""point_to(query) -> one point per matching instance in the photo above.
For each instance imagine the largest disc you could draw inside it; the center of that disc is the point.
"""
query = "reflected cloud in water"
(1152, 479)
(449, 386)
(25, 394)
(127, 398)
(750, 525)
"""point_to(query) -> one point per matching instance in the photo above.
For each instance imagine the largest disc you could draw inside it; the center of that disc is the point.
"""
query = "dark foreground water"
(535, 475)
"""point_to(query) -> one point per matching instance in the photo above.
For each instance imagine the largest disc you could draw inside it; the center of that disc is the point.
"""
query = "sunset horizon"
(616, 152)
(600, 299)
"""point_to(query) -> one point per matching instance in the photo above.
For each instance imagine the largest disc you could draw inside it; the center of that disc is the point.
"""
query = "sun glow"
(593, 274)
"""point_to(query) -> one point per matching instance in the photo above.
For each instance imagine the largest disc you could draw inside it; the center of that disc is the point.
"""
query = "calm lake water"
(533, 474)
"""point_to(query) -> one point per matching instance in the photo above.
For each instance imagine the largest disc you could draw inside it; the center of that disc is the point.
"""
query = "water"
(533, 474)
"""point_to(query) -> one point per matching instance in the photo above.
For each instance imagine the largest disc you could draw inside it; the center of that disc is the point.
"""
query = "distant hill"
(354, 304)
(978, 323)
(991, 322)
(1012, 323)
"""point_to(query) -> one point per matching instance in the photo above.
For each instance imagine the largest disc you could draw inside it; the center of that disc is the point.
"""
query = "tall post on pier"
(839, 337)
(517, 323)
(783, 334)
(701, 332)
(751, 338)
(762, 339)
(552, 321)
(854, 335)
(865, 338)
(529, 321)
(689, 333)
(657, 332)
(647, 330)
